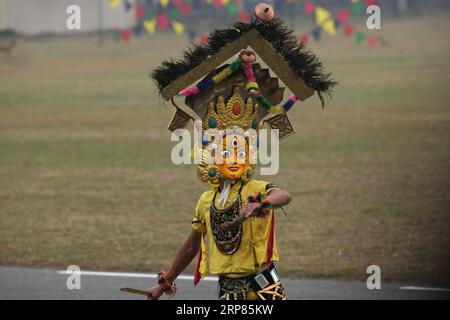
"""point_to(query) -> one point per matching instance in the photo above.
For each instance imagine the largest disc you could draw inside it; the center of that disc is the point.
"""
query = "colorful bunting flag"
(128, 5)
(114, 3)
(137, 30)
(174, 14)
(316, 33)
(243, 15)
(348, 30)
(150, 26)
(164, 3)
(325, 20)
(360, 37)
(153, 15)
(372, 42)
(126, 36)
(232, 9)
(163, 21)
(185, 9)
(178, 27)
(139, 11)
(304, 39)
(203, 38)
(343, 15)
(309, 7)
(358, 8)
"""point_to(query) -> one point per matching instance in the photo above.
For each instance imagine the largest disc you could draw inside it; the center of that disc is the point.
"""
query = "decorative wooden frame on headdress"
(297, 67)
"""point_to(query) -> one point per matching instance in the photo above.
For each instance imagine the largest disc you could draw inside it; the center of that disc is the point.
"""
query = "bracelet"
(266, 206)
(169, 288)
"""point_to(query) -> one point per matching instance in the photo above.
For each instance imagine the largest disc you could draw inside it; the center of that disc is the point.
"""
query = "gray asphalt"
(37, 284)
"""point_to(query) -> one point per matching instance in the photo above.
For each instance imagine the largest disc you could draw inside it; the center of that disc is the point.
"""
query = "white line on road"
(424, 289)
(130, 275)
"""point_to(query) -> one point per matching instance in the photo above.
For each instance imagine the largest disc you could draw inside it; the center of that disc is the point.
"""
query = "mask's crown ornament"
(236, 112)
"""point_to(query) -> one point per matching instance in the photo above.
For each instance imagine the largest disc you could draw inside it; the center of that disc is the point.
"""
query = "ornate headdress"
(242, 94)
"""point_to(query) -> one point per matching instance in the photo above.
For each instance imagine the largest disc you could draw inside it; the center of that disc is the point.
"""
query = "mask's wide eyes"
(226, 154)
(241, 154)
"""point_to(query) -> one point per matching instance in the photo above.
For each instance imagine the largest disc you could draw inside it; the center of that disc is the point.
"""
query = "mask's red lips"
(232, 168)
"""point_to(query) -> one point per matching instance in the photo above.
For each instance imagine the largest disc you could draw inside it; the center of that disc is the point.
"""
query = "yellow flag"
(150, 26)
(164, 3)
(114, 3)
(325, 20)
(178, 27)
(225, 2)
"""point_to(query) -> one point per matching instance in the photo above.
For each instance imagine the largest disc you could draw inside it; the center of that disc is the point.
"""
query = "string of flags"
(329, 23)
(163, 15)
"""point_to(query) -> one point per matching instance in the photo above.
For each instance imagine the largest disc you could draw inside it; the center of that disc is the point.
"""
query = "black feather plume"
(303, 62)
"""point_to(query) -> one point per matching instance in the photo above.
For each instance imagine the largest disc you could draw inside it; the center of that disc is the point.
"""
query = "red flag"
(371, 2)
(343, 16)
(126, 35)
(348, 30)
(185, 9)
(203, 38)
(139, 11)
(163, 21)
(244, 16)
(304, 39)
(309, 7)
(372, 42)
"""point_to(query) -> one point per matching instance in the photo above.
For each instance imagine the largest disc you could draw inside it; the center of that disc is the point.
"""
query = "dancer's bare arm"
(185, 254)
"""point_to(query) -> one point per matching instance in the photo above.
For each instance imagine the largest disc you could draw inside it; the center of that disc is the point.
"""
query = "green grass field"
(86, 176)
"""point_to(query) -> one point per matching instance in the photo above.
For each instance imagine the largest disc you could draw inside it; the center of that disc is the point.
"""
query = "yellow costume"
(251, 255)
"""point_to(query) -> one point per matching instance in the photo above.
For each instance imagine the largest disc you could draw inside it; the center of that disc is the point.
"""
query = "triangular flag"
(304, 39)
(358, 8)
(139, 11)
(137, 30)
(128, 5)
(343, 15)
(178, 27)
(371, 2)
(126, 35)
(117, 37)
(325, 20)
(360, 37)
(174, 14)
(114, 3)
(316, 33)
(192, 35)
(348, 30)
(164, 3)
(243, 15)
(372, 42)
(163, 21)
(203, 38)
(309, 7)
(337, 23)
(185, 9)
(232, 9)
(150, 26)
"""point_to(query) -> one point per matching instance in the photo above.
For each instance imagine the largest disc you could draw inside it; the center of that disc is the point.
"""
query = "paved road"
(22, 283)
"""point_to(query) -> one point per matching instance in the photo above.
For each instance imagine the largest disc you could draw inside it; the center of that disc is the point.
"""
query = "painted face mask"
(232, 157)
